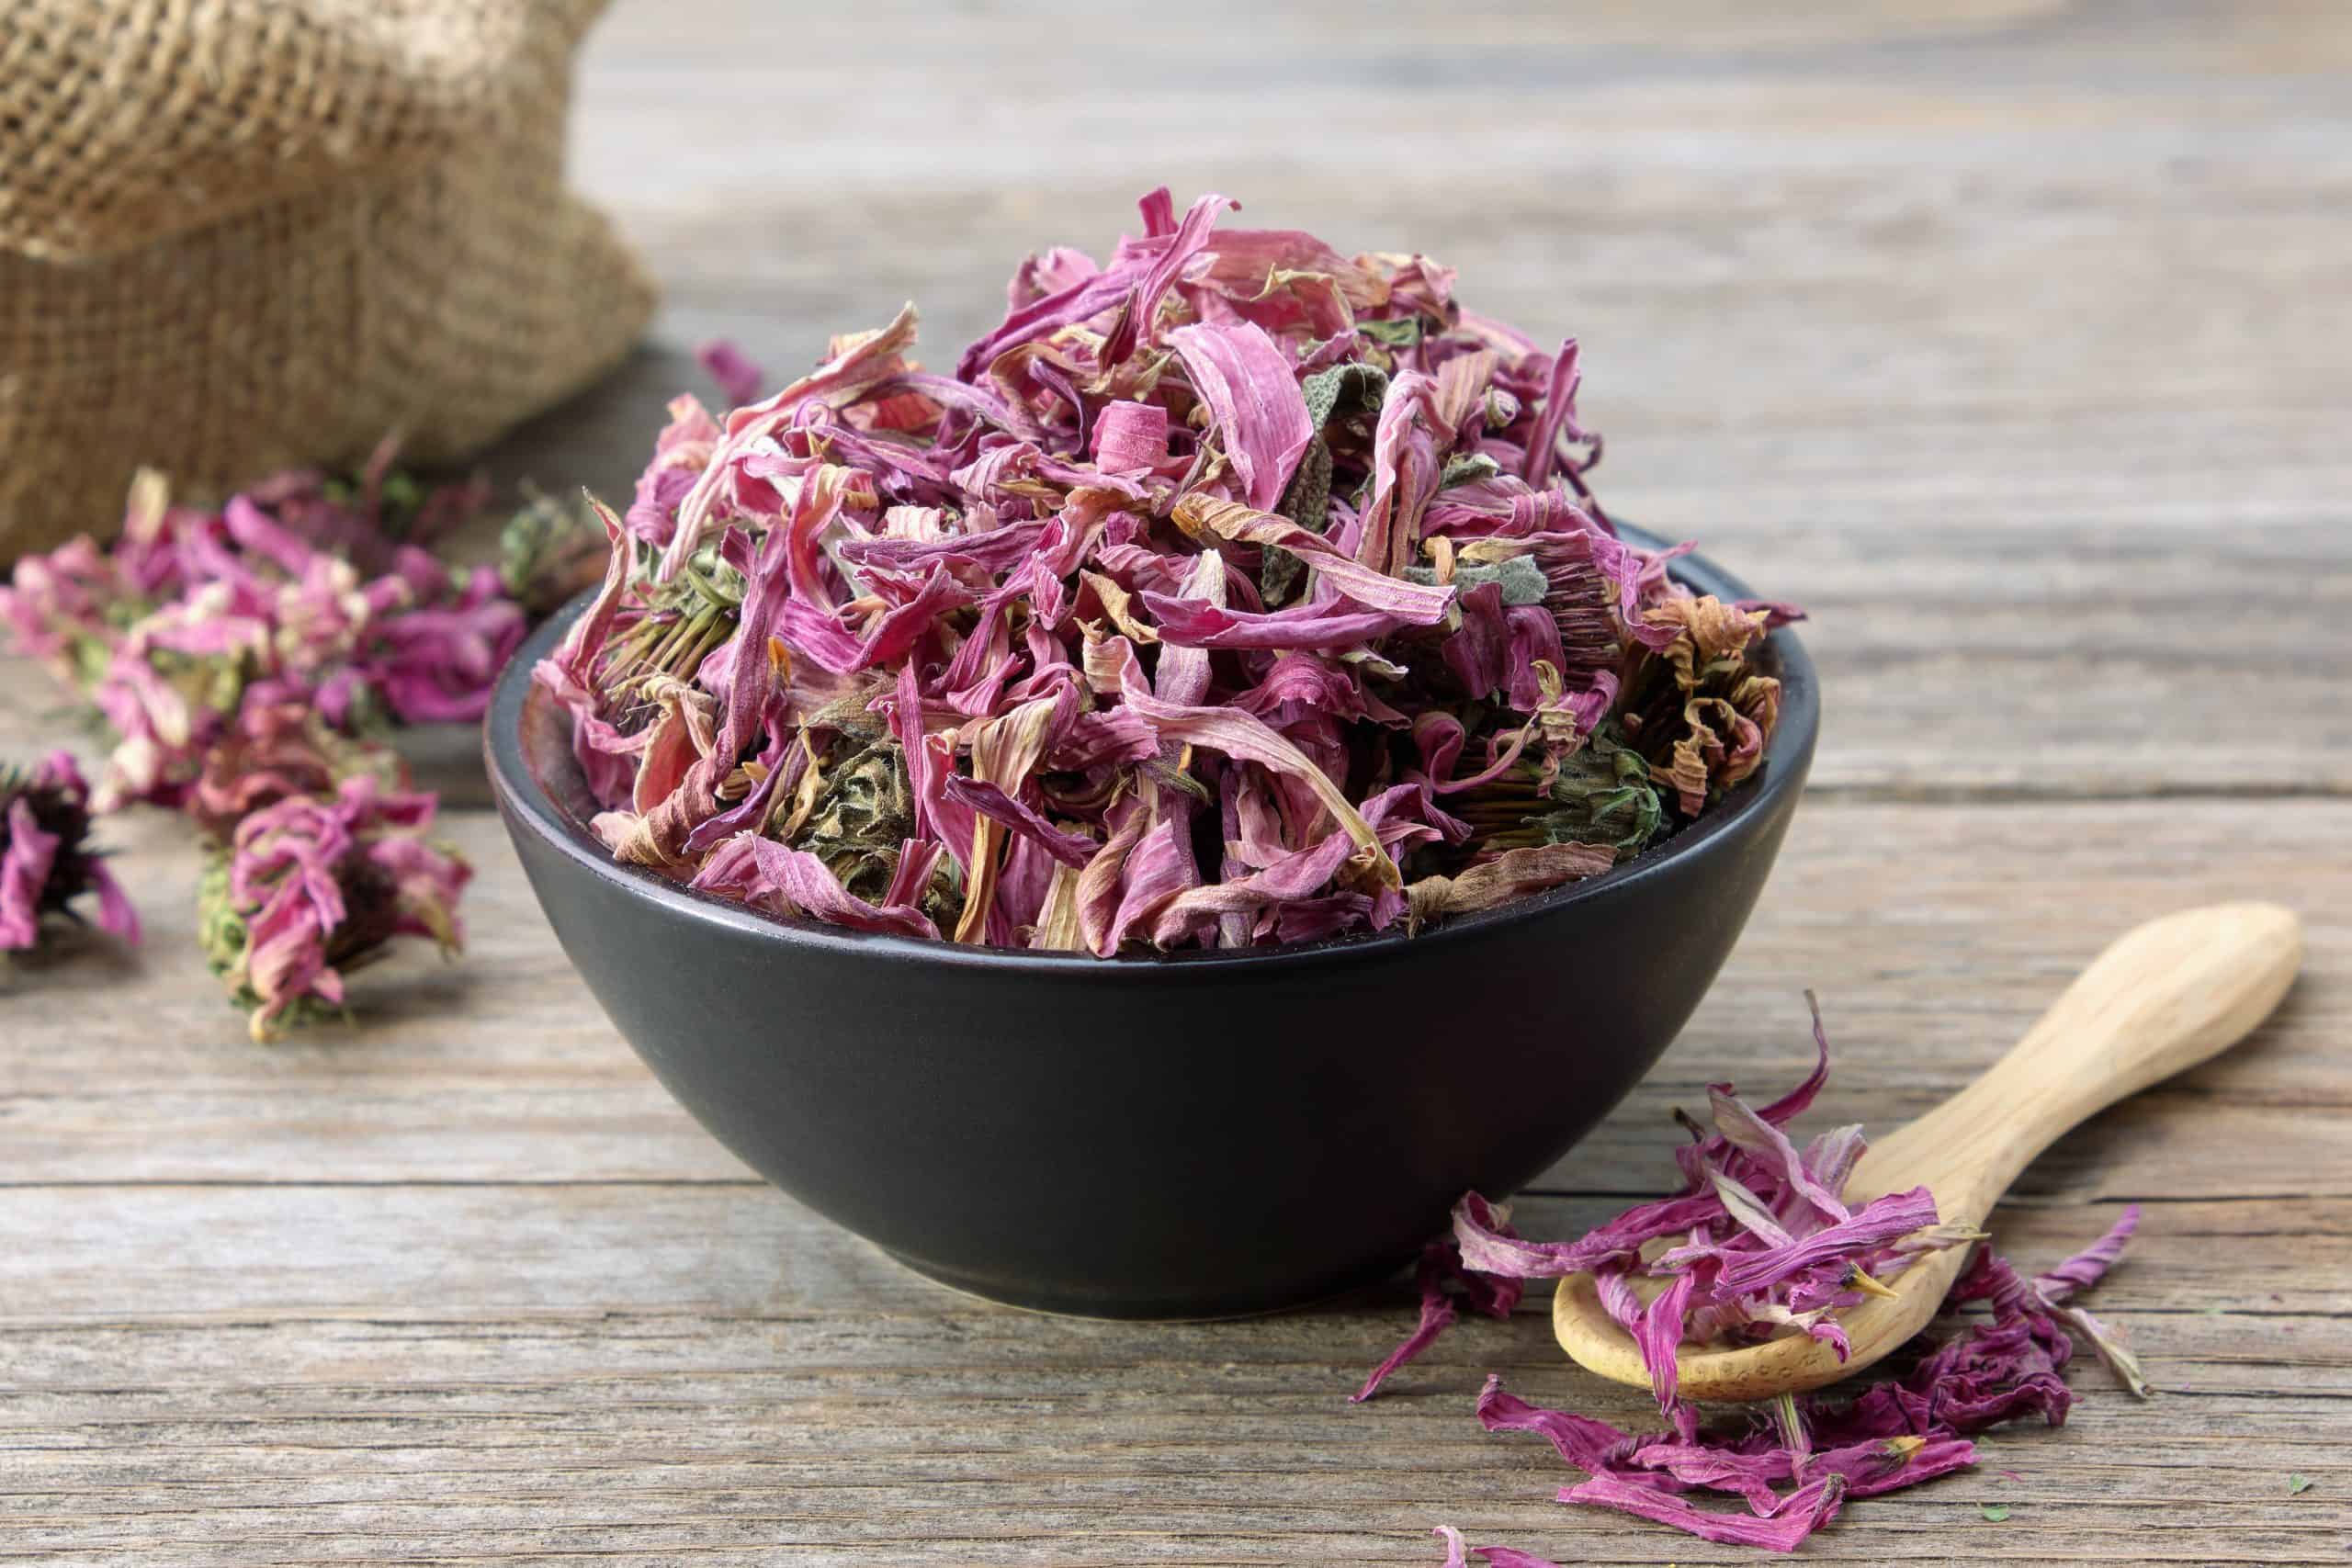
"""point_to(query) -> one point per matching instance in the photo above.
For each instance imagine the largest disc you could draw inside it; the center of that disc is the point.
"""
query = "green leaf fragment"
(400, 498)
(1404, 333)
(1467, 469)
(1993, 1512)
(1307, 502)
(861, 813)
(2298, 1485)
(1343, 392)
(1522, 579)
(1600, 794)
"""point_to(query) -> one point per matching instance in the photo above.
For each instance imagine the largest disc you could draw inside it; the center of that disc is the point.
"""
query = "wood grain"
(2009, 335)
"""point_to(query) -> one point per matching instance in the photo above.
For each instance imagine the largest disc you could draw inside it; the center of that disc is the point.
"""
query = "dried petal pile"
(247, 662)
(1230, 591)
(1757, 1244)
(46, 860)
(293, 592)
(1759, 1241)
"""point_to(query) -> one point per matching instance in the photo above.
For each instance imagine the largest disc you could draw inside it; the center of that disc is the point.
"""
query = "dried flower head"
(547, 552)
(272, 750)
(46, 859)
(313, 887)
(300, 588)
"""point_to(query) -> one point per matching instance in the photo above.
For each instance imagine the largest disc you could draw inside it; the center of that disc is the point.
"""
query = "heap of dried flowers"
(191, 614)
(1760, 1242)
(248, 662)
(1230, 591)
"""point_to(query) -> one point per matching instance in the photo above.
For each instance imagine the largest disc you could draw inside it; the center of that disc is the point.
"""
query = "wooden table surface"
(2011, 337)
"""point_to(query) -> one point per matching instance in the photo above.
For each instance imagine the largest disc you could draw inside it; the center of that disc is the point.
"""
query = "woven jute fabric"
(240, 235)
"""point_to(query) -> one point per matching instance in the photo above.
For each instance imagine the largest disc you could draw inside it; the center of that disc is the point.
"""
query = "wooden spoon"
(2164, 997)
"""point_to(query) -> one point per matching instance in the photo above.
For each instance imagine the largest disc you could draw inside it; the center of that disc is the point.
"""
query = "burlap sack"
(237, 235)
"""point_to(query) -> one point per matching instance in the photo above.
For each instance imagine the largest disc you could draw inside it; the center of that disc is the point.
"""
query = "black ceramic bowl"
(1195, 1135)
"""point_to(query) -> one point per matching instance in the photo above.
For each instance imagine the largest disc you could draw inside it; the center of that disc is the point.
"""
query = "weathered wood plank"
(130, 1254)
(305, 1372)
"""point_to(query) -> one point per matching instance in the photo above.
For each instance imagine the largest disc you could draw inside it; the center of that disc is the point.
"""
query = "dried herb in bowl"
(1233, 592)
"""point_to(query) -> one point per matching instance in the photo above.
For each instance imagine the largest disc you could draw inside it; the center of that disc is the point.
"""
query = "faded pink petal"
(1253, 397)
(24, 873)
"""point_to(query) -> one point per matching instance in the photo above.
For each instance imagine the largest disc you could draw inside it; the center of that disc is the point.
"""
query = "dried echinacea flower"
(1603, 794)
(313, 887)
(294, 589)
(1231, 592)
(248, 660)
(548, 552)
(1797, 1466)
(1759, 1243)
(272, 751)
(46, 859)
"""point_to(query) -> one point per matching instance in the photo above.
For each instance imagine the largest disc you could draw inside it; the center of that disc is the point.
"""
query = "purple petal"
(1716, 1468)
(2088, 1267)
(1070, 849)
(1557, 418)
(1582, 1441)
(1801, 1512)
(739, 379)
(1485, 1249)
(1192, 623)
(1184, 672)
(1437, 1316)
(24, 873)
(994, 550)
(1130, 437)
(1160, 868)
(116, 915)
(1506, 1557)
(1747, 1130)
(755, 869)
(1877, 1224)
(1254, 401)
(1661, 1332)
(1873, 1469)
(1794, 1104)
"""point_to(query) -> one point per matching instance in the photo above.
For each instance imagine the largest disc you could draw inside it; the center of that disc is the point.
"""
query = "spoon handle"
(2162, 998)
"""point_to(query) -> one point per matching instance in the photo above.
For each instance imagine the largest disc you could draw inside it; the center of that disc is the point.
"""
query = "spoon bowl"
(2162, 998)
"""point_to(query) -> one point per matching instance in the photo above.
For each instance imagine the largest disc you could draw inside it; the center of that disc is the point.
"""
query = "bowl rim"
(526, 802)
